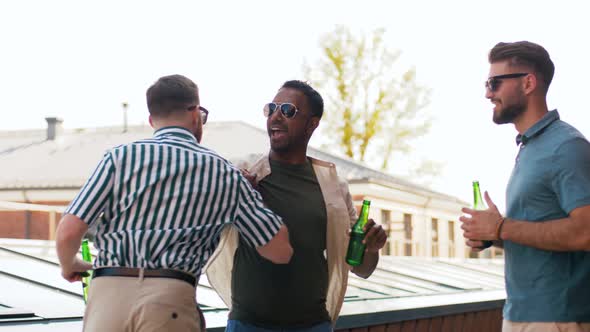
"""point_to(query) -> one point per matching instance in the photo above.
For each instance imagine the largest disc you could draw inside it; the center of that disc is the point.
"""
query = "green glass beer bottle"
(478, 204)
(356, 247)
(86, 256)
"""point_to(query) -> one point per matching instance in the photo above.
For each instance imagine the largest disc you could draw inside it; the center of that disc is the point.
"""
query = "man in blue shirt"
(546, 229)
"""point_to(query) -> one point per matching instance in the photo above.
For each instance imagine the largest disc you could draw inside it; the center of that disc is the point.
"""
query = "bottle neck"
(477, 200)
(363, 217)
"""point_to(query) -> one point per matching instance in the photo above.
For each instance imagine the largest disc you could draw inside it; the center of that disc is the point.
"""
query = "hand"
(250, 177)
(482, 223)
(375, 237)
(76, 271)
(477, 245)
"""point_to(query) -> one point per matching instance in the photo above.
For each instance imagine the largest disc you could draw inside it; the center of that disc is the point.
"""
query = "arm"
(84, 209)
(251, 177)
(70, 231)
(477, 245)
(567, 234)
(278, 250)
(368, 266)
(569, 181)
(261, 227)
(375, 239)
(499, 244)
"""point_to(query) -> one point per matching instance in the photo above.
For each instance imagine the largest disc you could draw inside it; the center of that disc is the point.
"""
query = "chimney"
(125, 106)
(54, 128)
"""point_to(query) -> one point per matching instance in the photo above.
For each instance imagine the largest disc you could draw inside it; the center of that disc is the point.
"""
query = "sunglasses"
(493, 83)
(288, 110)
(203, 110)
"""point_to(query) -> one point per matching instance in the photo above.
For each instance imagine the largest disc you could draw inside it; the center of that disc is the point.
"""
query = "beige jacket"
(341, 215)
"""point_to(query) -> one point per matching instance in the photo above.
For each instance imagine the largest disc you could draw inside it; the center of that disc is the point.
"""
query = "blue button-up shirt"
(551, 177)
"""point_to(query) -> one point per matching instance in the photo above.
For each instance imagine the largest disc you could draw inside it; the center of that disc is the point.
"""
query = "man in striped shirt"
(159, 206)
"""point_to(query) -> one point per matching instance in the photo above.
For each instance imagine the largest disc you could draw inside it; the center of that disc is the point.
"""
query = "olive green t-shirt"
(294, 294)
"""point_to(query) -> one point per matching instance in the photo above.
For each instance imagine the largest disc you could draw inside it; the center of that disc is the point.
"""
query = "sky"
(79, 60)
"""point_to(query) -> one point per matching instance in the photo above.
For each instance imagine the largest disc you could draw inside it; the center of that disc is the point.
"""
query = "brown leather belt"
(135, 272)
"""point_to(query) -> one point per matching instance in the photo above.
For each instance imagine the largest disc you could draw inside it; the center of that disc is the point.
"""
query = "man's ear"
(313, 124)
(196, 117)
(530, 83)
(151, 121)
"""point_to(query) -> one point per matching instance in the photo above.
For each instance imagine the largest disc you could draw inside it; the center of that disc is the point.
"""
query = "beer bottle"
(86, 256)
(356, 247)
(478, 204)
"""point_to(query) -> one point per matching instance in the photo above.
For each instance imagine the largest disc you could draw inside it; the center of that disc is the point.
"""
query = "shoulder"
(568, 140)
(562, 132)
(248, 161)
(322, 163)
(327, 170)
(117, 152)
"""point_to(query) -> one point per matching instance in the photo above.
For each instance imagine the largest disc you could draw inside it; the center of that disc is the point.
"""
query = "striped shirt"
(162, 203)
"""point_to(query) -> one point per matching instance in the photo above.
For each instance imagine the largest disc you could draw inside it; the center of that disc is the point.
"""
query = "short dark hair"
(171, 94)
(314, 99)
(526, 54)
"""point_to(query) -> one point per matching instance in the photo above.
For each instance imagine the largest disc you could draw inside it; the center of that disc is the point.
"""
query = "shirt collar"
(537, 128)
(175, 131)
(261, 167)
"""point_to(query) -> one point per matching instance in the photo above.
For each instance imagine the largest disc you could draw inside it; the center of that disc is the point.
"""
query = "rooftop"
(34, 297)
(70, 158)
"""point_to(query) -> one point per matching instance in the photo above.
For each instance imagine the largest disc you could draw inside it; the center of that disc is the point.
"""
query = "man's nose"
(277, 116)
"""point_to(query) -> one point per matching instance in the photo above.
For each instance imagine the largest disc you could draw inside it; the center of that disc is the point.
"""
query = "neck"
(289, 157)
(163, 123)
(536, 109)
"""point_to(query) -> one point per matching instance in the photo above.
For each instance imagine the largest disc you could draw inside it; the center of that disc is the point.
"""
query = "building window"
(451, 238)
(434, 227)
(387, 226)
(407, 234)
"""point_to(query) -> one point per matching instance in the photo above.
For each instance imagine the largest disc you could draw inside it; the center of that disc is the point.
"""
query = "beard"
(280, 140)
(510, 112)
(287, 144)
(282, 146)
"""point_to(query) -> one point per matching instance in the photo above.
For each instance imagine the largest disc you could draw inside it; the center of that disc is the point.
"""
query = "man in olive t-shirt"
(267, 297)
(255, 297)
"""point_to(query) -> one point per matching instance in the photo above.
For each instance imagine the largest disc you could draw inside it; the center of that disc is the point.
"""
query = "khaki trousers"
(129, 304)
(508, 326)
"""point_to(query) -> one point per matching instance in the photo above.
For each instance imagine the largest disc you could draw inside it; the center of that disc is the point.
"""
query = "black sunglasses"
(493, 83)
(288, 110)
(203, 110)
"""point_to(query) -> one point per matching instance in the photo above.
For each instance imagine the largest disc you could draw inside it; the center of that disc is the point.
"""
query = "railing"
(400, 247)
(406, 248)
(51, 210)
(452, 251)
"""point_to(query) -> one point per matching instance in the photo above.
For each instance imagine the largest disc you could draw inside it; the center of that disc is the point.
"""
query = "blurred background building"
(47, 167)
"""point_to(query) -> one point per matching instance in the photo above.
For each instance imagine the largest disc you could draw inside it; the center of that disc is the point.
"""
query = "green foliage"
(374, 108)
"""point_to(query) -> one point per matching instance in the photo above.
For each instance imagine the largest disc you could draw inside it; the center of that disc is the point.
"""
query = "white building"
(48, 166)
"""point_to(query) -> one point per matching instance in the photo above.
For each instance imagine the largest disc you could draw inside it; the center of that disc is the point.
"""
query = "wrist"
(68, 264)
(499, 227)
(372, 251)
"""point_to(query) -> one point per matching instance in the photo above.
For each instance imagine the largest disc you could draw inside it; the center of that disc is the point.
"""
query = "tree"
(374, 108)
